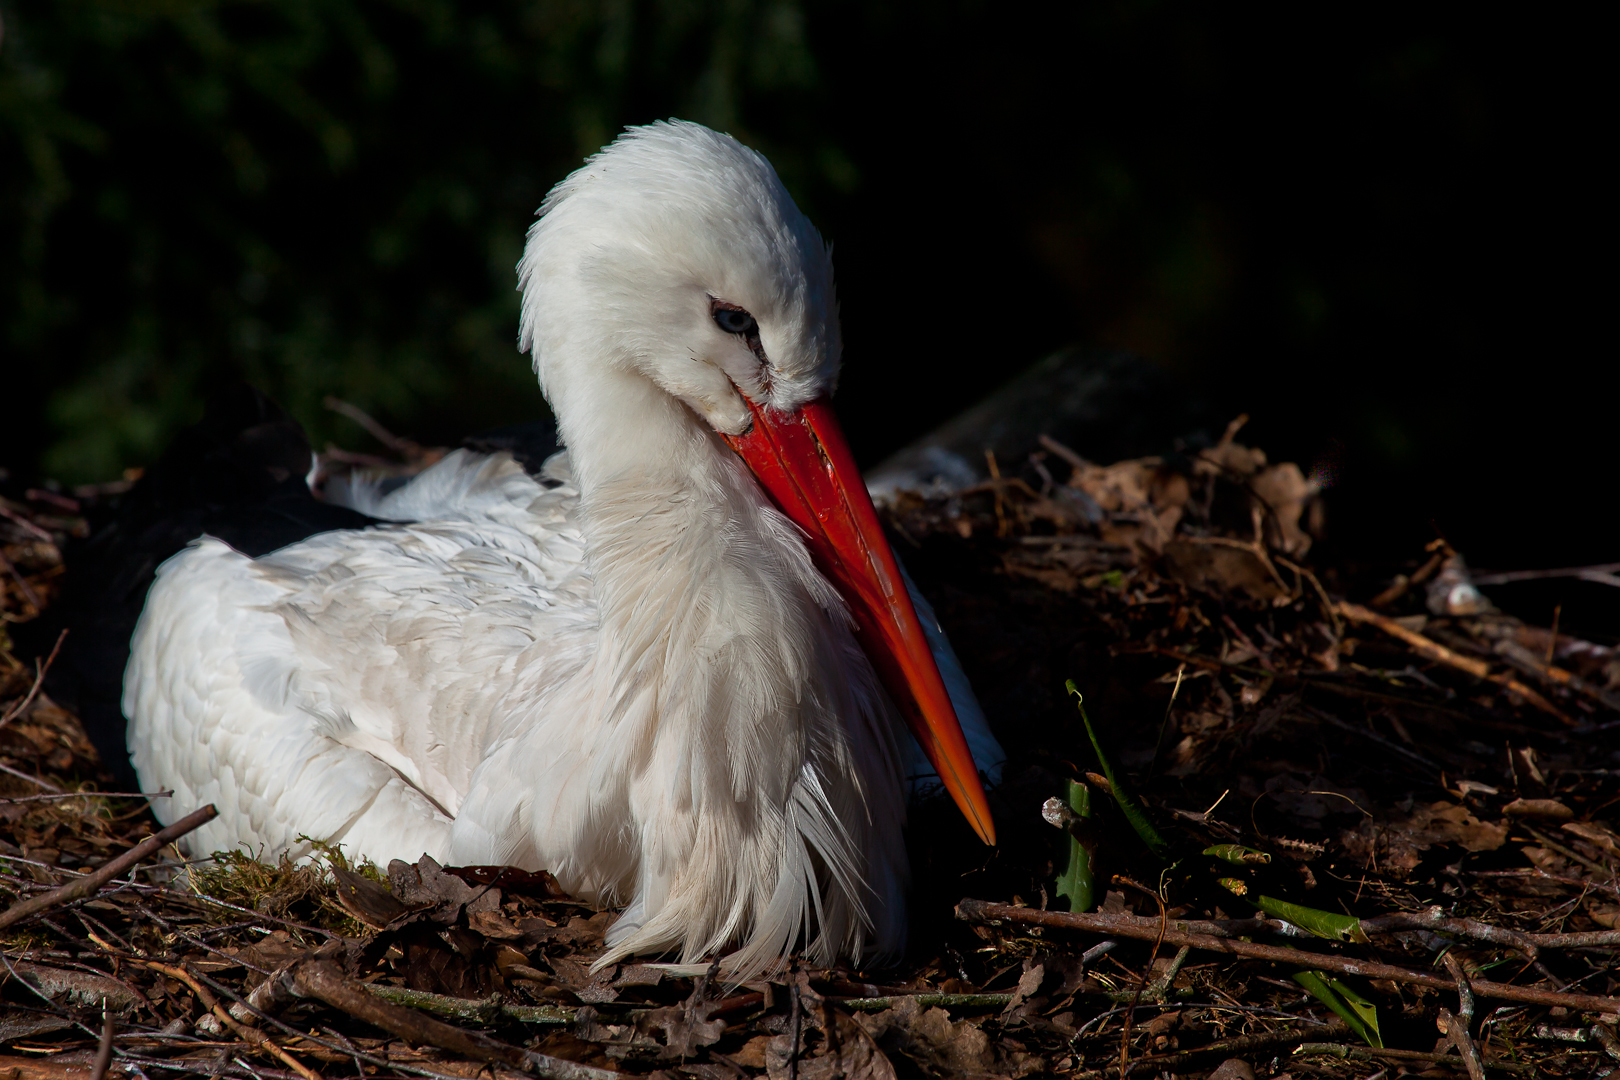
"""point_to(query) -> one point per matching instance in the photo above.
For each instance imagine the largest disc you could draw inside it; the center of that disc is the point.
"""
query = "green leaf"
(1355, 1010)
(1077, 881)
(1127, 803)
(1324, 924)
(1238, 855)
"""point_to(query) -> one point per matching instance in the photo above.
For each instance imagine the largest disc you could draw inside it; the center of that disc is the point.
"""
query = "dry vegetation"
(1429, 781)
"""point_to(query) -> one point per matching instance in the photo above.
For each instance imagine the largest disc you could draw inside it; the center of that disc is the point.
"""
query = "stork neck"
(621, 431)
(698, 579)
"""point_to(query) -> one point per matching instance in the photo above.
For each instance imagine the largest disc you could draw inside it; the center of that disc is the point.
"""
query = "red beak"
(804, 465)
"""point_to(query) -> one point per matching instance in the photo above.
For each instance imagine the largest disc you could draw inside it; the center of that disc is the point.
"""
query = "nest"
(1314, 820)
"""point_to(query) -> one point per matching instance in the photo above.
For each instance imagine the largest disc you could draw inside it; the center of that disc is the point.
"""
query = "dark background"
(1378, 231)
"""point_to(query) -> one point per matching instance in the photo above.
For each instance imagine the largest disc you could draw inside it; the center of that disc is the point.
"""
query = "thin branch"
(92, 882)
(104, 1049)
(1458, 1023)
(252, 1036)
(1430, 649)
(324, 981)
(1602, 573)
(1377, 1053)
(39, 680)
(19, 774)
(978, 911)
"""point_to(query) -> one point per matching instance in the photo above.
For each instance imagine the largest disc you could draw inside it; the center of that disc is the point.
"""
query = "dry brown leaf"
(930, 1038)
(846, 1052)
(1596, 835)
(1538, 809)
(1224, 567)
(687, 1027)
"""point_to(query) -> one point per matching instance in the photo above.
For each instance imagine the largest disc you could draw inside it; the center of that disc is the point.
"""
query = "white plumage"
(628, 671)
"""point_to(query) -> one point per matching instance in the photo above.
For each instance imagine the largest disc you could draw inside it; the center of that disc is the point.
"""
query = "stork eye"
(735, 321)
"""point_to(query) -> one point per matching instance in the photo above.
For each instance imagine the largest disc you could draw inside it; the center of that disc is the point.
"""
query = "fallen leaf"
(847, 1052)
(931, 1039)
(1596, 835)
(1223, 567)
(687, 1027)
(367, 900)
(493, 925)
(1445, 822)
(513, 882)
(1541, 809)
(426, 884)
(752, 1055)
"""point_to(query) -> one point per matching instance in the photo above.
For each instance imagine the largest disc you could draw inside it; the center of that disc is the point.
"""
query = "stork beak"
(804, 465)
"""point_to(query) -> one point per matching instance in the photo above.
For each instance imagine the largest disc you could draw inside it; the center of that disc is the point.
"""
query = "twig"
(1528, 945)
(1567, 852)
(248, 1035)
(995, 477)
(1242, 1046)
(1433, 650)
(39, 680)
(5, 512)
(1321, 594)
(978, 911)
(926, 1001)
(1457, 1024)
(270, 1017)
(1161, 985)
(1141, 986)
(22, 583)
(324, 981)
(1373, 737)
(19, 774)
(1603, 574)
(1536, 667)
(401, 446)
(1538, 872)
(104, 1049)
(489, 1010)
(1375, 1053)
(90, 795)
(93, 881)
(1075, 460)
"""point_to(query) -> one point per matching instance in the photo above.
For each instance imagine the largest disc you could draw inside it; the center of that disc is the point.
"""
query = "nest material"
(1385, 746)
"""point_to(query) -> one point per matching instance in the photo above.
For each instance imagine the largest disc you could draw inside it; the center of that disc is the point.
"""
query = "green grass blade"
(1127, 803)
(1352, 1008)
(1078, 882)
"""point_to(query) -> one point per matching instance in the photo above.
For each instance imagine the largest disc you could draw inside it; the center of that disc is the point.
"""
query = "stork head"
(676, 256)
(676, 253)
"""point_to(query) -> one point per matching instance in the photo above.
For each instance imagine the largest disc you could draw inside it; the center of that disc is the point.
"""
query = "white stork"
(668, 669)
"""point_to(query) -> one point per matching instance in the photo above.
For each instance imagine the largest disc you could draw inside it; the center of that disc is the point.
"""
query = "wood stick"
(979, 911)
(1433, 650)
(19, 774)
(1242, 1046)
(104, 1049)
(486, 1011)
(248, 1035)
(1374, 1053)
(1457, 1025)
(39, 681)
(325, 981)
(93, 881)
(926, 1001)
